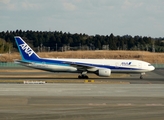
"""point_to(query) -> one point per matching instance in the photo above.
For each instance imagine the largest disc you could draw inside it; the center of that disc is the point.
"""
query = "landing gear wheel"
(80, 77)
(141, 77)
(83, 77)
(86, 77)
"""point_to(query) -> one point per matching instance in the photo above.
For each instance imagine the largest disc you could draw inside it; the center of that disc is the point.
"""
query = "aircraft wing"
(80, 66)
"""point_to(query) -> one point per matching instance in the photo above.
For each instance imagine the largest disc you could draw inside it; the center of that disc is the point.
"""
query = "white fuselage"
(115, 65)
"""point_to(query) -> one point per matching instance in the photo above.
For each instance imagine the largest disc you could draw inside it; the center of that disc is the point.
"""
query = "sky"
(103, 17)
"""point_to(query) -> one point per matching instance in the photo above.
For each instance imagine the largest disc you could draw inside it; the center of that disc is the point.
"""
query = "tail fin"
(26, 52)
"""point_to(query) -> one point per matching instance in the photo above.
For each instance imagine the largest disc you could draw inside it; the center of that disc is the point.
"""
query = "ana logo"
(27, 49)
(126, 63)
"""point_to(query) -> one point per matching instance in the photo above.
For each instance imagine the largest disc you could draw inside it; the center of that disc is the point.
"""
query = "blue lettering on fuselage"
(126, 63)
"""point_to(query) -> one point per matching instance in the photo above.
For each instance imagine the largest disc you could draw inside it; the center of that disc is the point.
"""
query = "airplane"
(100, 67)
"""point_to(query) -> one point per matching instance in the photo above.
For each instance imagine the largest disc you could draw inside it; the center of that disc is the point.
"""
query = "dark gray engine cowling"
(103, 72)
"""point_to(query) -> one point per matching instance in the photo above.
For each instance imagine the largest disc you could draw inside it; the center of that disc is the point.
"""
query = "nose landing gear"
(141, 75)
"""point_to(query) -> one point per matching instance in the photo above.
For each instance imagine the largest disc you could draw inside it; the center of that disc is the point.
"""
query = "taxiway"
(135, 100)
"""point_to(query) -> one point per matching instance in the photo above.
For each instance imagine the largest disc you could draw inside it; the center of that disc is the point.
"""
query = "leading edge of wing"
(80, 66)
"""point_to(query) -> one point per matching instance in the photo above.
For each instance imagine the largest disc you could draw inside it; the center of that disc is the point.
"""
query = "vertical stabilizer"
(25, 50)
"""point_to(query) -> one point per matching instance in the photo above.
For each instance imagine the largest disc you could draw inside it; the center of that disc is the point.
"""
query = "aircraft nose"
(152, 68)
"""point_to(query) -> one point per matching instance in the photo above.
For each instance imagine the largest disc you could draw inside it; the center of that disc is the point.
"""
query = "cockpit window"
(149, 65)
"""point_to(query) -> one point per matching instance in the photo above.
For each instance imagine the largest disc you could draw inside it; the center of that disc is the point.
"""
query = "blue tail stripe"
(26, 52)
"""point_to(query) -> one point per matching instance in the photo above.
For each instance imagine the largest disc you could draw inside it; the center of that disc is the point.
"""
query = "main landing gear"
(141, 75)
(83, 75)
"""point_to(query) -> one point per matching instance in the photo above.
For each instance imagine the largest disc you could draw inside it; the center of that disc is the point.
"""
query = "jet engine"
(103, 72)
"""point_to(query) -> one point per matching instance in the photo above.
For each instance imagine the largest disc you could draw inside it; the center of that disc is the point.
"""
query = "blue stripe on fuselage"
(62, 63)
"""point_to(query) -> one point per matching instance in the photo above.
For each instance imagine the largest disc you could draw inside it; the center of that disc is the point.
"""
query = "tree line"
(61, 41)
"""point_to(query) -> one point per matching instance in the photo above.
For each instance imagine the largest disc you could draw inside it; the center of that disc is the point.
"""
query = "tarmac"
(128, 98)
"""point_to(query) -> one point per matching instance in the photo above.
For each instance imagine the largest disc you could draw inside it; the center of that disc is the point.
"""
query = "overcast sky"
(103, 17)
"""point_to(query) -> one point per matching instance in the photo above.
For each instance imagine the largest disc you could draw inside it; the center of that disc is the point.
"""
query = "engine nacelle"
(103, 72)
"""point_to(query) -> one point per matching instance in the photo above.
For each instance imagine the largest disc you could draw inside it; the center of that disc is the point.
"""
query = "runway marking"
(95, 104)
(129, 104)
(154, 105)
(124, 104)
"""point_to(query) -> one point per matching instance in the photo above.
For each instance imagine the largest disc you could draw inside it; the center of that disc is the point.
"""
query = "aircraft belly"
(128, 71)
(57, 68)
(53, 68)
